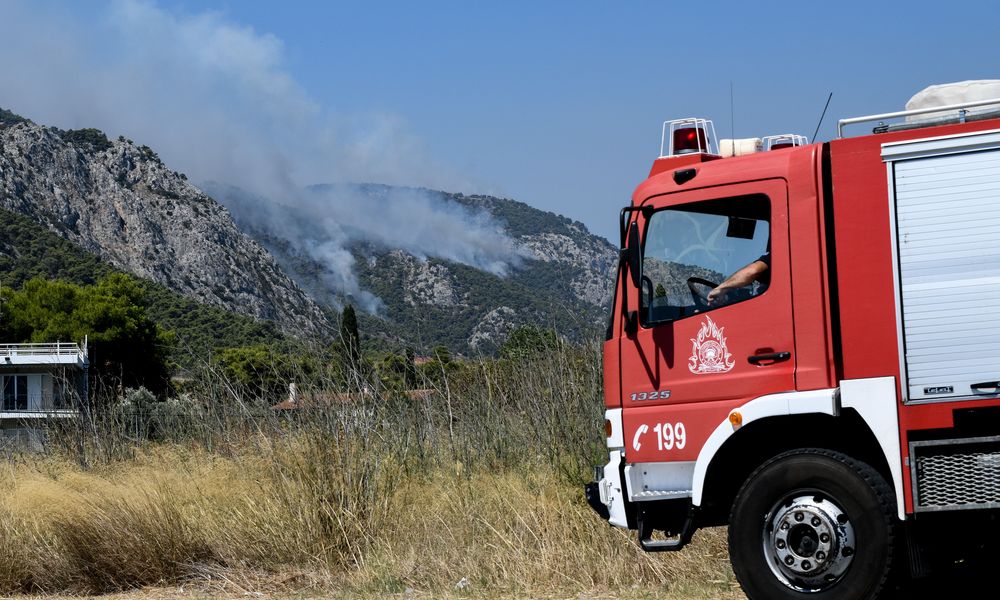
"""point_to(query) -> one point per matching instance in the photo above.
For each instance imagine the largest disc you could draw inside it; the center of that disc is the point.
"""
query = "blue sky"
(560, 104)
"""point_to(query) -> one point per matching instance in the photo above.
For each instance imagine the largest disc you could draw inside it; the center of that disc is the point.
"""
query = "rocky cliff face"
(569, 267)
(425, 283)
(117, 200)
(591, 259)
(585, 261)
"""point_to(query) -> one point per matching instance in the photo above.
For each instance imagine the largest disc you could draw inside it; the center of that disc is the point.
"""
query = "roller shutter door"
(947, 216)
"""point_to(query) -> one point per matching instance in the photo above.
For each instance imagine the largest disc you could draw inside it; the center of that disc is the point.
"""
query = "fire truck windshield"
(690, 249)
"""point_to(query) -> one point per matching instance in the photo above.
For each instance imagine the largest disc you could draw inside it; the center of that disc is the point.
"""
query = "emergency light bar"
(785, 140)
(687, 136)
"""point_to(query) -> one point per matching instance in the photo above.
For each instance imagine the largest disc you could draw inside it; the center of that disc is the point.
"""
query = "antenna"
(815, 133)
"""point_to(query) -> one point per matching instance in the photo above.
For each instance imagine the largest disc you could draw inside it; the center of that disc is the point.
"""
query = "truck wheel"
(813, 524)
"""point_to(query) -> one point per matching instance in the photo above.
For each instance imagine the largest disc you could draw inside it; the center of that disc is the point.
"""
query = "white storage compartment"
(945, 201)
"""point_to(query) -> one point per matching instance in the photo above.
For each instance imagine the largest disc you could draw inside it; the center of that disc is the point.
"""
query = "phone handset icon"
(638, 433)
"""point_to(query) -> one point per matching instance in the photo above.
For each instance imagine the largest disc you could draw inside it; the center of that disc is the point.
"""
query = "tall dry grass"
(478, 483)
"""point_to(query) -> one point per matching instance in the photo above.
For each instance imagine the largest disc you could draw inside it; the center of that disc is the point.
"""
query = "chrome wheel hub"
(808, 542)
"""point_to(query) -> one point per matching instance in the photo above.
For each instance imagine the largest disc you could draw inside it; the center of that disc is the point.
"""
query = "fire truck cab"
(805, 346)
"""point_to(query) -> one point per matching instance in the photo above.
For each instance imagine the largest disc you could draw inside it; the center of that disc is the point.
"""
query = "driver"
(758, 270)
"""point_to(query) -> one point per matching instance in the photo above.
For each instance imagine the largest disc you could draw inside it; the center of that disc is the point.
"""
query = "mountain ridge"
(118, 201)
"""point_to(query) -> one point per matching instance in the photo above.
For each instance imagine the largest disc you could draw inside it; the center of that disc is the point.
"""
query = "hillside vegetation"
(484, 295)
(29, 251)
(562, 282)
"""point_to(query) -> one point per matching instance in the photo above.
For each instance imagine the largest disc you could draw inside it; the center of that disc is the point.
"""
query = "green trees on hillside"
(263, 372)
(528, 341)
(126, 347)
(29, 251)
(91, 138)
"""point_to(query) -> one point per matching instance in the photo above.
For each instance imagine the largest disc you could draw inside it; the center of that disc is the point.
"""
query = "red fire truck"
(837, 402)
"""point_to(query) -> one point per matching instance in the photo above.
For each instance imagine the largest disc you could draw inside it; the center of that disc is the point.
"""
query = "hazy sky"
(555, 104)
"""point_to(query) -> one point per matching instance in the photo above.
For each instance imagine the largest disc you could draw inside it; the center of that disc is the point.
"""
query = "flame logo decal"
(709, 353)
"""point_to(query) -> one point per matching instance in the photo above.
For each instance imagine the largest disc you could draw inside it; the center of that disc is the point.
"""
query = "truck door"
(692, 360)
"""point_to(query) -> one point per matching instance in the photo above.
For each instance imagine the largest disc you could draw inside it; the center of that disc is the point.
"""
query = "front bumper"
(592, 493)
(605, 495)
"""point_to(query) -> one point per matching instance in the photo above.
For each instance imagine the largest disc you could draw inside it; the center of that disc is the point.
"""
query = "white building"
(39, 382)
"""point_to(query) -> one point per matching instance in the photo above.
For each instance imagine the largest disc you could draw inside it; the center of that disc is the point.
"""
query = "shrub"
(528, 341)
(93, 139)
(7, 118)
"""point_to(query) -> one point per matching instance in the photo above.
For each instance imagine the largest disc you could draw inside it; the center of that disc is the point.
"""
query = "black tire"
(785, 489)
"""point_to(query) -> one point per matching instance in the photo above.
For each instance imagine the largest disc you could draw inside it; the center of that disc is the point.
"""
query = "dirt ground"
(953, 585)
(978, 588)
(961, 582)
(200, 592)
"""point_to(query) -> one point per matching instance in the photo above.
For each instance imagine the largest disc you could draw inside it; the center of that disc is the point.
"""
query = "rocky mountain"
(117, 200)
(562, 280)
(566, 258)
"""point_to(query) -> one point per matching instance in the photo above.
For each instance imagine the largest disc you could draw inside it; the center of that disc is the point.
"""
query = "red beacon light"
(689, 140)
(687, 136)
(785, 140)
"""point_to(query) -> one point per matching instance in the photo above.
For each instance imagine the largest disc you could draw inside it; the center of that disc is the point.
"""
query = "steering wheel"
(699, 291)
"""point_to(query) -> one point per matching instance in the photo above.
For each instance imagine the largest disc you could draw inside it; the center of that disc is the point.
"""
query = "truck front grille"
(956, 474)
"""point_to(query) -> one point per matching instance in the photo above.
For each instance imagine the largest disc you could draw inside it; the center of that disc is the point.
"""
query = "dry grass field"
(472, 491)
(239, 525)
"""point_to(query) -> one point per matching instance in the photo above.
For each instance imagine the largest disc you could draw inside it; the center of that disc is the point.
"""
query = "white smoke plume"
(422, 222)
(322, 222)
(216, 101)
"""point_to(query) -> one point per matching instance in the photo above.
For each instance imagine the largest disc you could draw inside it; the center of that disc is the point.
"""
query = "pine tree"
(350, 336)
(410, 374)
(660, 291)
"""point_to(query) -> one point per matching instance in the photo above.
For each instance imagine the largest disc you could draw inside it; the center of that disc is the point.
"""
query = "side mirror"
(634, 255)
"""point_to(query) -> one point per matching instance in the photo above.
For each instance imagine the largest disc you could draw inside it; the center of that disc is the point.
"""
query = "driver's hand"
(716, 296)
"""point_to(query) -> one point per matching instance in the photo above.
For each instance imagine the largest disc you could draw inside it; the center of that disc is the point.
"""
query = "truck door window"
(690, 249)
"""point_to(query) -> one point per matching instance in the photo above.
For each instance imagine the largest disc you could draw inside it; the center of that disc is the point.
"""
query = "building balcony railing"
(37, 404)
(43, 354)
(56, 349)
(52, 413)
